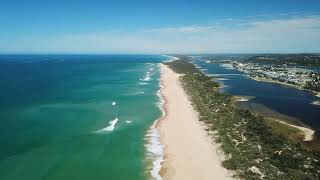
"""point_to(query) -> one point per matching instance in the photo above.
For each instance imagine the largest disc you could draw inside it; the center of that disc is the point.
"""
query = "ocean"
(279, 99)
(79, 117)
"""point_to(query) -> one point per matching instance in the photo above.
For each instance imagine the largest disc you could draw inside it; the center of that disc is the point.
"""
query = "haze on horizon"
(246, 26)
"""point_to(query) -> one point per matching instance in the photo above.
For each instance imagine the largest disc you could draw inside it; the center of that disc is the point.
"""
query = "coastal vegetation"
(254, 149)
(304, 59)
(315, 83)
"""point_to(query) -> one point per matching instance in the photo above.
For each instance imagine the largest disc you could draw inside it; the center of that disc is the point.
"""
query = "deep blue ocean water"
(56, 110)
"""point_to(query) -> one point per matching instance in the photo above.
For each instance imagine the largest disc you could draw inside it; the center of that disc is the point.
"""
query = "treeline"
(306, 60)
(303, 59)
(253, 150)
(314, 84)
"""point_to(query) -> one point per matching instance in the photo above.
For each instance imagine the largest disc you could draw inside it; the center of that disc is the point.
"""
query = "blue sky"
(78, 26)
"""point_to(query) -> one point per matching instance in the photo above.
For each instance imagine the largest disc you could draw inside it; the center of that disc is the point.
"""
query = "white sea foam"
(111, 126)
(134, 93)
(155, 151)
(198, 67)
(161, 102)
(147, 77)
(154, 146)
(128, 122)
(222, 79)
(143, 83)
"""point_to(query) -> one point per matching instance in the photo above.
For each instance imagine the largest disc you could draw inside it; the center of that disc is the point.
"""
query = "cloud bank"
(289, 35)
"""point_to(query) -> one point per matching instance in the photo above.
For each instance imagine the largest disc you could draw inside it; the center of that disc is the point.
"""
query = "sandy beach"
(243, 98)
(189, 153)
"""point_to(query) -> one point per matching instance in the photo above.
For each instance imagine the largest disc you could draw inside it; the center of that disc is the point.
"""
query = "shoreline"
(315, 93)
(316, 103)
(308, 133)
(241, 98)
(153, 146)
(171, 58)
(189, 152)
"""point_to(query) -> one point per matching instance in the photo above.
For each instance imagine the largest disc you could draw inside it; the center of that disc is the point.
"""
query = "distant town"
(295, 76)
(296, 70)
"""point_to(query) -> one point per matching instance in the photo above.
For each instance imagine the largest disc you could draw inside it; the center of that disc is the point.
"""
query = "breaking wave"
(111, 126)
(154, 147)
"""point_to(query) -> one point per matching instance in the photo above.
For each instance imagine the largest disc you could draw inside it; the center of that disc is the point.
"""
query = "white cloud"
(278, 35)
(184, 29)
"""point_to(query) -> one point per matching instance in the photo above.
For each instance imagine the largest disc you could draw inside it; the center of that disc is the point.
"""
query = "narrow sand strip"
(308, 133)
(189, 153)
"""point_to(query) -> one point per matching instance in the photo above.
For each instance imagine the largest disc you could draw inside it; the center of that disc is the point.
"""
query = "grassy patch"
(289, 132)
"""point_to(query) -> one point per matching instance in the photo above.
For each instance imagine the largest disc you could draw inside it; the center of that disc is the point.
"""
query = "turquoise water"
(53, 109)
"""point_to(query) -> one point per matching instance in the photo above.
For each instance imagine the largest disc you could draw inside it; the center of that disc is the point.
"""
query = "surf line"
(154, 148)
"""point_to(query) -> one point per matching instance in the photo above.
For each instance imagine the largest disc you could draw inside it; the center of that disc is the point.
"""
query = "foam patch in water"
(111, 126)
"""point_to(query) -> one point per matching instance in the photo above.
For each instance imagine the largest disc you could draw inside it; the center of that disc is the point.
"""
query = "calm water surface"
(280, 98)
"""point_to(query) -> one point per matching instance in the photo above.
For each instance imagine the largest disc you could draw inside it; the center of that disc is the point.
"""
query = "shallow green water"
(53, 106)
